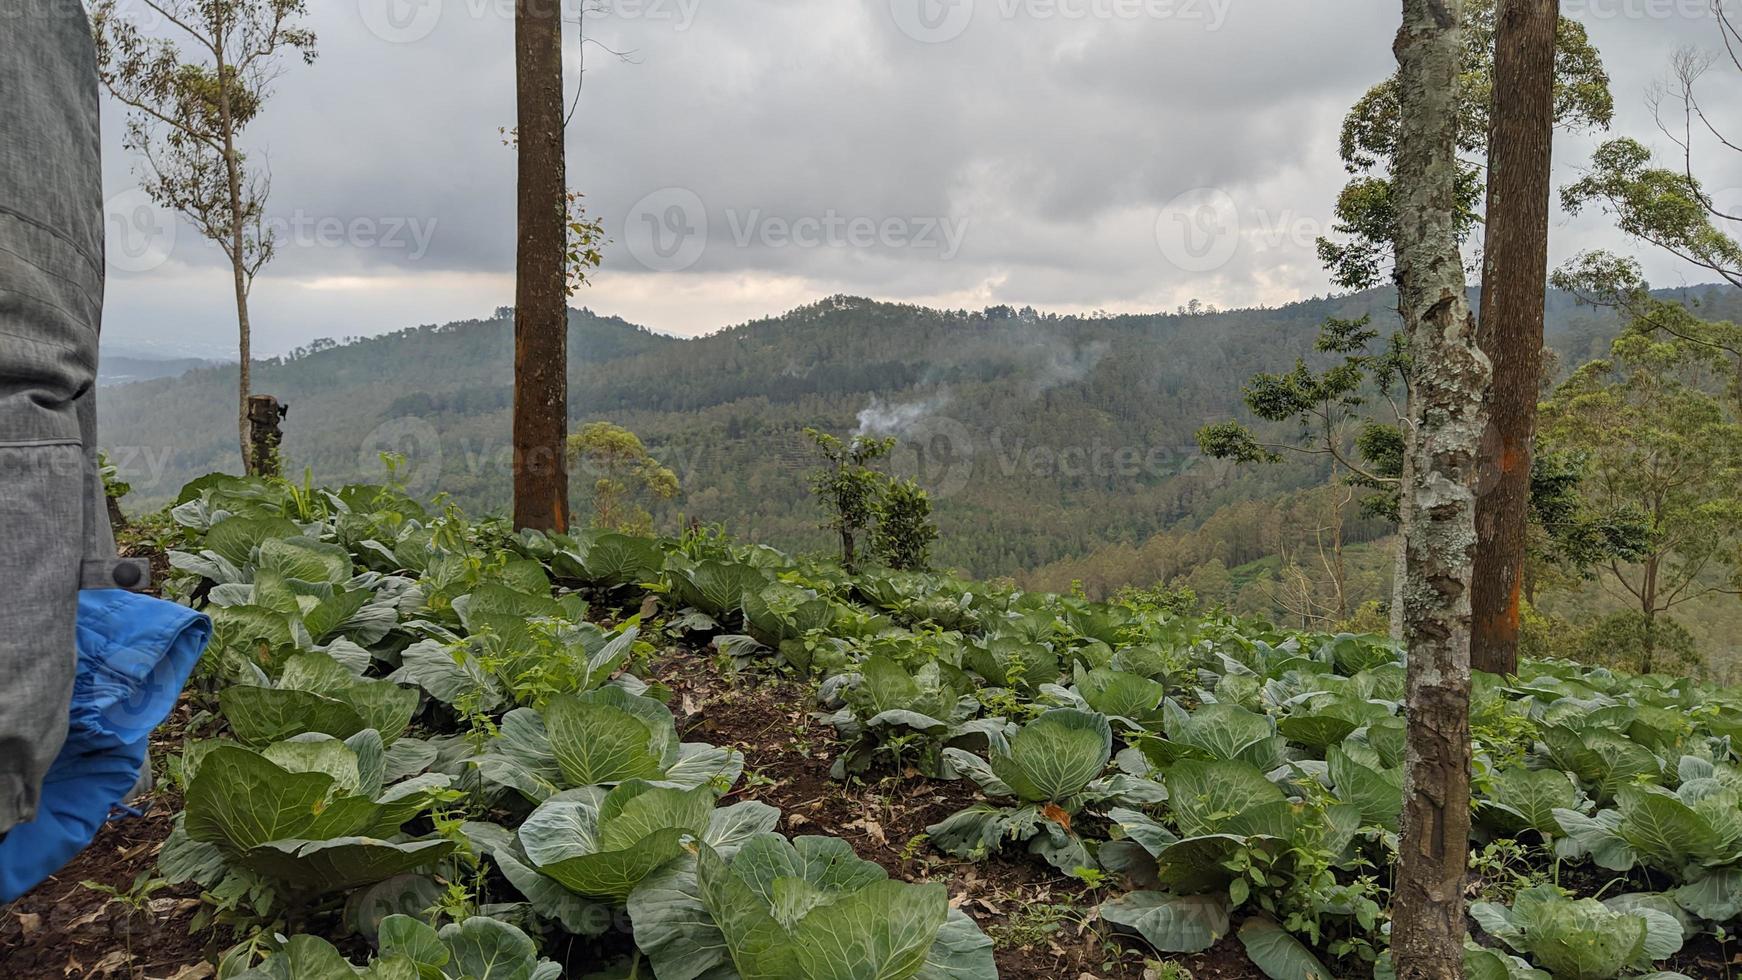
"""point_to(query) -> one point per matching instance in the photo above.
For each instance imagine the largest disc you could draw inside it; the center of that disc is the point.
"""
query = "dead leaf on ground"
(88, 918)
(872, 829)
(194, 971)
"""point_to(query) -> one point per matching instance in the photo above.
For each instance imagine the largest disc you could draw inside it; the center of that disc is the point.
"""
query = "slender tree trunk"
(1648, 609)
(1339, 575)
(541, 490)
(1514, 278)
(238, 256)
(1450, 377)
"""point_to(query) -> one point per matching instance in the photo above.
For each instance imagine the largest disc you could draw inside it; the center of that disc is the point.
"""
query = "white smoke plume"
(1058, 364)
(881, 418)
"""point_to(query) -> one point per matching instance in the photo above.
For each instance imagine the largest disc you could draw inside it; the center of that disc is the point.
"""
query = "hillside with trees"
(1045, 437)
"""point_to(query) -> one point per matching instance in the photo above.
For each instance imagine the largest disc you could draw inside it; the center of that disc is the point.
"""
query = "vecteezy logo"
(1199, 231)
(139, 234)
(932, 21)
(400, 21)
(937, 452)
(418, 446)
(667, 231)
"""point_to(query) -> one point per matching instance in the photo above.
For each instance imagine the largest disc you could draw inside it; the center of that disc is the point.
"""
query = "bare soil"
(66, 930)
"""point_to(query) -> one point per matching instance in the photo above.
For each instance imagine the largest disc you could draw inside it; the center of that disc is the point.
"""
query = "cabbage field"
(429, 747)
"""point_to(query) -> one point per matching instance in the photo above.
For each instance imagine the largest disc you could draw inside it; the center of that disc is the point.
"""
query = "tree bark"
(1514, 280)
(1450, 383)
(541, 488)
(1405, 509)
(236, 248)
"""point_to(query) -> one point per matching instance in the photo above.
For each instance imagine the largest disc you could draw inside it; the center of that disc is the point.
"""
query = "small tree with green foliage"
(1642, 644)
(189, 96)
(1658, 447)
(905, 530)
(622, 469)
(848, 487)
(1330, 408)
(1570, 534)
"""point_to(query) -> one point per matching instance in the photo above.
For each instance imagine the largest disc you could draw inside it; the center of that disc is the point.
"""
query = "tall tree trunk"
(1514, 279)
(237, 251)
(1450, 384)
(541, 486)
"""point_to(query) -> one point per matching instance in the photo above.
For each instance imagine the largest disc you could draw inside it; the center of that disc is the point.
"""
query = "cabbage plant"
(481, 948)
(805, 909)
(311, 815)
(1130, 700)
(1013, 661)
(606, 559)
(1582, 939)
(316, 694)
(888, 710)
(600, 845)
(1693, 834)
(1216, 731)
(521, 662)
(601, 738)
(1242, 846)
(778, 613)
(1047, 770)
(713, 588)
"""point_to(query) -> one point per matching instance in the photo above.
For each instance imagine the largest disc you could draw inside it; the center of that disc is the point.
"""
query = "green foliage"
(1583, 939)
(806, 909)
(1669, 208)
(898, 716)
(309, 816)
(1660, 450)
(586, 241)
(1361, 255)
(479, 948)
(621, 468)
(848, 487)
(1631, 641)
(905, 530)
(1328, 407)
(604, 850)
(114, 487)
(1211, 775)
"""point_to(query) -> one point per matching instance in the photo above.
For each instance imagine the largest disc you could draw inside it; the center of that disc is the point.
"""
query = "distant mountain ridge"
(1042, 436)
(118, 369)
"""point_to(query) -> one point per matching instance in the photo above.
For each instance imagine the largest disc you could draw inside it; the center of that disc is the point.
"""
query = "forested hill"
(1042, 437)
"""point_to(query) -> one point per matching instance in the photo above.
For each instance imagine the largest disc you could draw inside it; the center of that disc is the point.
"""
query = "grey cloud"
(1048, 145)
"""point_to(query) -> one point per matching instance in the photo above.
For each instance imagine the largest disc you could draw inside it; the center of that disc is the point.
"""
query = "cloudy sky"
(753, 155)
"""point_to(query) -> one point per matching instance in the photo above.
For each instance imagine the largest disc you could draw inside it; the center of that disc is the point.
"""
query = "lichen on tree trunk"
(1451, 378)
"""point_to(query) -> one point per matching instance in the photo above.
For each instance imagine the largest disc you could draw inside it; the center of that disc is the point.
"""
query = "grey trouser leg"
(52, 514)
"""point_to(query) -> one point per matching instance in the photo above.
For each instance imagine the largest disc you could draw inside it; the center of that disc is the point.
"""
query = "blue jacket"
(135, 654)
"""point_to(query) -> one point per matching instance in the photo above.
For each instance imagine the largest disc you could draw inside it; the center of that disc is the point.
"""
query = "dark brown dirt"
(1705, 958)
(67, 931)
